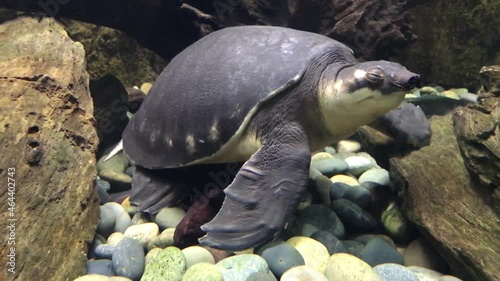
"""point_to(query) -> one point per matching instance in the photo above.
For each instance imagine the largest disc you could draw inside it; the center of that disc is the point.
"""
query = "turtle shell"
(209, 91)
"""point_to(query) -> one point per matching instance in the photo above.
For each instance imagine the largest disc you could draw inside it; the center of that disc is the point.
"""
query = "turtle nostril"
(413, 82)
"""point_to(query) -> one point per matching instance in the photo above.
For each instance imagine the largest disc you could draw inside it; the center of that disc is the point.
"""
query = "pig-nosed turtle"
(265, 95)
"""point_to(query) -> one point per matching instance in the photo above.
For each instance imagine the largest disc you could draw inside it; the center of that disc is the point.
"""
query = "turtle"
(264, 96)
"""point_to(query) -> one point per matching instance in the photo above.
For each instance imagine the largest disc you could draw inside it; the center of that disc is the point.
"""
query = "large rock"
(457, 53)
(450, 210)
(47, 135)
(477, 128)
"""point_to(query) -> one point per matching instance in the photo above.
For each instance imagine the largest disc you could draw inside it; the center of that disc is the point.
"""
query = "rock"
(314, 253)
(358, 165)
(344, 179)
(314, 173)
(320, 156)
(358, 195)
(391, 271)
(115, 238)
(130, 171)
(146, 87)
(203, 272)
(107, 221)
(118, 180)
(240, 267)
(306, 201)
(448, 278)
(128, 259)
(169, 264)
(48, 147)
(439, 193)
(396, 225)
(151, 255)
(420, 253)
(169, 217)
(376, 175)
(165, 239)
(353, 247)
(323, 186)
(353, 216)
(425, 274)
(379, 251)
(323, 218)
(348, 146)
(280, 256)
(303, 273)
(338, 190)
(345, 267)
(331, 166)
(144, 233)
(261, 276)
(330, 149)
(122, 222)
(118, 163)
(197, 254)
(92, 277)
(332, 243)
(101, 267)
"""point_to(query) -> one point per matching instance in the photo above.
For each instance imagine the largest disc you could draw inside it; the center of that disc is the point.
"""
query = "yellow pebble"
(345, 179)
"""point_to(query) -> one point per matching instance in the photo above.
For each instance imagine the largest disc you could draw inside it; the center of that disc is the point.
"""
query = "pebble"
(323, 187)
(122, 222)
(332, 243)
(353, 247)
(320, 156)
(376, 175)
(396, 224)
(359, 195)
(92, 277)
(98, 240)
(448, 278)
(428, 90)
(165, 239)
(126, 203)
(348, 146)
(104, 251)
(280, 256)
(168, 265)
(345, 267)
(331, 166)
(144, 233)
(203, 272)
(307, 229)
(345, 179)
(102, 267)
(358, 165)
(330, 149)
(303, 273)
(146, 87)
(314, 253)
(314, 173)
(394, 272)
(140, 218)
(420, 253)
(197, 254)
(450, 94)
(115, 238)
(130, 171)
(379, 251)
(128, 259)
(120, 180)
(261, 276)
(169, 217)
(353, 216)
(338, 190)
(306, 201)
(151, 255)
(107, 220)
(118, 163)
(240, 267)
(102, 190)
(323, 218)
(425, 274)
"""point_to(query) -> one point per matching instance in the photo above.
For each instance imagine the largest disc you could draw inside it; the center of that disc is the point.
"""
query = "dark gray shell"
(218, 80)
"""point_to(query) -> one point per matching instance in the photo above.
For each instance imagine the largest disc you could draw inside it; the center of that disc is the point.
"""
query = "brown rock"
(454, 214)
(48, 136)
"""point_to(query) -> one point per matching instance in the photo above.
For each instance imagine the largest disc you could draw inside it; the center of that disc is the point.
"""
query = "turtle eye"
(375, 77)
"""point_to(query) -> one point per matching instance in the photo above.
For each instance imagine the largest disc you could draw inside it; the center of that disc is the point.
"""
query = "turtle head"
(371, 88)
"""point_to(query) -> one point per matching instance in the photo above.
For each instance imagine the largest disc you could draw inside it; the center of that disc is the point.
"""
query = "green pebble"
(168, 265)
(203, 272)
(240, 267)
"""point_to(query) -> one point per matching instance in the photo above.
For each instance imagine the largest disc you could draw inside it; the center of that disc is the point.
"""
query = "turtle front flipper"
(266, 190)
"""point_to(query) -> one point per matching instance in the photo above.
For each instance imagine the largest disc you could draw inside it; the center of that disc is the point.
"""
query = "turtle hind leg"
(267, 189)
(153, 190)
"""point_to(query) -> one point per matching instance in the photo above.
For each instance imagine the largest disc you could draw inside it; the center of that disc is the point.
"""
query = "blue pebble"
(338, 190)
(104, 185)
(107, 221)
(105, 251)
(359, 195)
(393, 272)
(353, 247)
(98, 240)
(128, 259)
(102, 267)
(379, 251)
(130, 171)
(280, 256)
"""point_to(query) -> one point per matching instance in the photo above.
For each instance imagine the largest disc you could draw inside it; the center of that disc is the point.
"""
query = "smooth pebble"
(314, 253)
(345, 267)
(303, 273)
(144, 233)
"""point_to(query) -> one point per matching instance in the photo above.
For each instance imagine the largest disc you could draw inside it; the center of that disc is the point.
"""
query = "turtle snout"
(412, 82)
